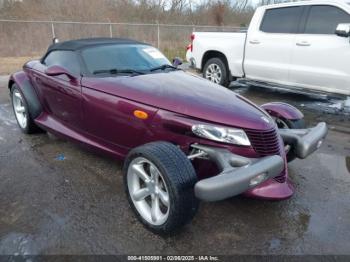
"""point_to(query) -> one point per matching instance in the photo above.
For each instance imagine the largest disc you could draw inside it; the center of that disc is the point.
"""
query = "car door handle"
(254, 41)
(303, 43)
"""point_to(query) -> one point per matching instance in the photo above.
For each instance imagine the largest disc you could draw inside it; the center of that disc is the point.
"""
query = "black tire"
(180, 178)
(291, 124)
(225, 81)
(31, 127)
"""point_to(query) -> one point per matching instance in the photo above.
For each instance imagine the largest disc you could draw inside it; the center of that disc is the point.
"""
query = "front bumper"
(252, 176)
(304, 141)
(238, 174)
(190, 59)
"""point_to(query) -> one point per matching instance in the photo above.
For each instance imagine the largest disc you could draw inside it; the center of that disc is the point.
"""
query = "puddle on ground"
(275, 243)
(337, 166)
(6, 115)
(18, 244)
(331, 105)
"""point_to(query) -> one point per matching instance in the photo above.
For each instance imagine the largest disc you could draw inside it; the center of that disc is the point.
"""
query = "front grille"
(266, 143)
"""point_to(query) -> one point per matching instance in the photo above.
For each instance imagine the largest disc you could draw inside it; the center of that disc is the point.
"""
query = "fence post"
(110, 31)
(158, 35)
(53, 31)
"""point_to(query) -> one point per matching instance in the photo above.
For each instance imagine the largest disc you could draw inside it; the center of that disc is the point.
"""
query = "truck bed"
(231, 45)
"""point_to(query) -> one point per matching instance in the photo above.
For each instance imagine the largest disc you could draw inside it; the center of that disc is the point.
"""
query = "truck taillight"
(192, 39)
(191, 45)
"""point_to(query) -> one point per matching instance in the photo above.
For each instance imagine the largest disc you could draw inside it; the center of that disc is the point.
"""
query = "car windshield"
(124, 59)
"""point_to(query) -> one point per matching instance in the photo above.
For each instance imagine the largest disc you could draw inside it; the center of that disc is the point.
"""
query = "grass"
(174, 52)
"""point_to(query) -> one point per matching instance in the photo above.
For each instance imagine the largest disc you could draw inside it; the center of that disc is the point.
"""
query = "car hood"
(186, 94)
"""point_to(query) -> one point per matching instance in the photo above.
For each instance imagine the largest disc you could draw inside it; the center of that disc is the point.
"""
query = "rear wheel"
(216, 71)
(159, 182)
(20, 109)
(290, 124)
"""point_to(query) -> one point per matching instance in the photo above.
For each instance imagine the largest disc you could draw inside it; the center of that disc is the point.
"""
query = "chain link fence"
(23, 40)
(30, 38)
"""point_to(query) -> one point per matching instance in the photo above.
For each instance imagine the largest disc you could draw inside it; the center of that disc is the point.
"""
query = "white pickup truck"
(301, 46)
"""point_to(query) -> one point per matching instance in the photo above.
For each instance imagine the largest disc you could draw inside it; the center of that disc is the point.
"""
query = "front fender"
(25, 86)
(282, 110)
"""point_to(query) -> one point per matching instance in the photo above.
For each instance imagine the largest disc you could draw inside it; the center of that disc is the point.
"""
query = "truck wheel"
(216, 71)
(159, 182)
(290, 124)
(20, 109)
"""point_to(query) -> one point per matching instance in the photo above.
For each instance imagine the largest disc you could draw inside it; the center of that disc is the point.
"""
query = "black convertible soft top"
(73, 45)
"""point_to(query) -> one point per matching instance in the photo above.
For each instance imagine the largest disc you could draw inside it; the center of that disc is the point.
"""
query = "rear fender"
(26, 88)
(282, 110)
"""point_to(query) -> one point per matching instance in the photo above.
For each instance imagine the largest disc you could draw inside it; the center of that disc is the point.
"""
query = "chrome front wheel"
(148, 191)
(21, 111)
(19, 108)
(159, 181)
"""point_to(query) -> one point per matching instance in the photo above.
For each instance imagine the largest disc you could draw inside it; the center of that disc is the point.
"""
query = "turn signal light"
(140, 114)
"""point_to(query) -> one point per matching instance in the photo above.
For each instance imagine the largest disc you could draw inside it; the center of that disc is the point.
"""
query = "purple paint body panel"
(98, 112)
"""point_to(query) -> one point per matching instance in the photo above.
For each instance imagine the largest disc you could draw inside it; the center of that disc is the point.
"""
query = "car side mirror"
(177, 61)
(343, 30)
(56, 70)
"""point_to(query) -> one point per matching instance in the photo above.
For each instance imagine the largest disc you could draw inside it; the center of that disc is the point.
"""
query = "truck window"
(281, 20)
(323, 19)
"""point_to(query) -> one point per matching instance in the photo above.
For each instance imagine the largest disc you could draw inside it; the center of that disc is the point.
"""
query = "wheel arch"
(212, 54)
(23, 83)
(10, 83)
(283, 110)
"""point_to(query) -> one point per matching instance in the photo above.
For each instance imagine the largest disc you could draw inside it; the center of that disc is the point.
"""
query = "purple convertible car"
(183, 138)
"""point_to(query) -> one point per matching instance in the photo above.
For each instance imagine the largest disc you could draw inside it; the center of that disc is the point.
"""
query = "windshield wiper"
(115, 71)
(163, 67)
